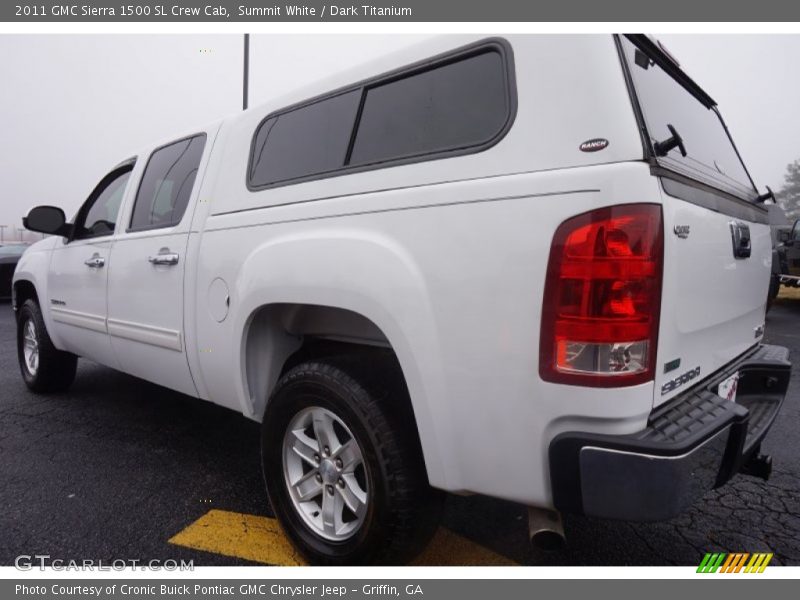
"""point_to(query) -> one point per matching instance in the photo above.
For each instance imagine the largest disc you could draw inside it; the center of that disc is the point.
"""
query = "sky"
(754, 80)
(73, 106)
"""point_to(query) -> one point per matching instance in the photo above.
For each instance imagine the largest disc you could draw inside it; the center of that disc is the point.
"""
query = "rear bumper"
(694, 443)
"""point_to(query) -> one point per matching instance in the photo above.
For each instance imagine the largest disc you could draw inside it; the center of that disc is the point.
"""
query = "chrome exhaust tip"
(545, 529)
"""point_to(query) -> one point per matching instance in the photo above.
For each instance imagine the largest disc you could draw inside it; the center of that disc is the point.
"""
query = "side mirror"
(47, 219)
(784, 235)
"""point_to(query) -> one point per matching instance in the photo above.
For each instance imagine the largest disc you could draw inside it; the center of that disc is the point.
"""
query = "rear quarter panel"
(453, 275)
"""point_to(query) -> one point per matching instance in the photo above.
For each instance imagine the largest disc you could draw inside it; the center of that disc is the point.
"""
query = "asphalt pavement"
(117, 467)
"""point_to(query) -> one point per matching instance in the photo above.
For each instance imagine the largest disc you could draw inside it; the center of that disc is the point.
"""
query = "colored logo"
(736, 562)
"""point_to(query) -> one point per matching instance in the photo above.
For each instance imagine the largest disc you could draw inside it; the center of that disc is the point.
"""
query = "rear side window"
(455, 104)
(167, 184)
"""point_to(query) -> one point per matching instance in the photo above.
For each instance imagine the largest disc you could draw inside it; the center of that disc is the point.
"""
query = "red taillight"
(602, 297)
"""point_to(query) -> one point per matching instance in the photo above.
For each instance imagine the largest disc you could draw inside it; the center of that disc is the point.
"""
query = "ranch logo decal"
(594, 145)
(734, 563)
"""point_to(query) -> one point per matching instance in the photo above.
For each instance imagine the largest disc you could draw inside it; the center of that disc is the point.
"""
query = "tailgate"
(713, 301)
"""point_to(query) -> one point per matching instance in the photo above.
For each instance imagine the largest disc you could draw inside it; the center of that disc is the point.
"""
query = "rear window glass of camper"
(711, 156)
(454, 104)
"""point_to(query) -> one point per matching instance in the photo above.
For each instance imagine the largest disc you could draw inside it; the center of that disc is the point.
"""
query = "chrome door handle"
(164, 257)
(95, 262)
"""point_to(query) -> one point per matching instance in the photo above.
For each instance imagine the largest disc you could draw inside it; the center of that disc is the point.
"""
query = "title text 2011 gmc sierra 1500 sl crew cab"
(530, 267)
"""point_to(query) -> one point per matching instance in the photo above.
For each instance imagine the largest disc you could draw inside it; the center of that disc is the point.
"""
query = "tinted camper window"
(453, 104)
(305, 141)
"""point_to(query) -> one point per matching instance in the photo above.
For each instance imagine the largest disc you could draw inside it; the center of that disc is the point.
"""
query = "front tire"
(343, 470)
(44, 367)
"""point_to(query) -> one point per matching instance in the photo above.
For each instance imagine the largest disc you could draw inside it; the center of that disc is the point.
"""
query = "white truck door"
(146, 278)
(79, 272)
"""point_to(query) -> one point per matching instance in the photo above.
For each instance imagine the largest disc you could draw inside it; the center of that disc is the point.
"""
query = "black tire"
(774, 289)
(403, 510)
(56, 369)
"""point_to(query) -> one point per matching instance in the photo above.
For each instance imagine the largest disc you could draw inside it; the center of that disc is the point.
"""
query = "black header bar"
(182, 11)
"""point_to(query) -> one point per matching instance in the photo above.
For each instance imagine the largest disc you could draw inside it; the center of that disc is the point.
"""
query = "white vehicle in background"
(530, 267)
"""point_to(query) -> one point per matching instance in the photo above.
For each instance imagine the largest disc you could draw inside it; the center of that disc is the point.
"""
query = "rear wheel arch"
(280, 336)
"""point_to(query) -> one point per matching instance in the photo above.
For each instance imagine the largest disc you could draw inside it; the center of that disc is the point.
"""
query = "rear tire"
(44, 367)
(358, 441)
(774, 289)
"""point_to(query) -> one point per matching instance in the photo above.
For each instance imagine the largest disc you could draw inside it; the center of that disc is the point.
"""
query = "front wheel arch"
(54, 369)
(24, 290)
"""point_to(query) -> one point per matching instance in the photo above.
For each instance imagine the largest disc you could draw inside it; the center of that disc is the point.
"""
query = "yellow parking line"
(450, 549)
(251, 537)
(259, 539)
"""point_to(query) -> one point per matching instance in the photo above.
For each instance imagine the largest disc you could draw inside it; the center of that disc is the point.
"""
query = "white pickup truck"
(530, 267)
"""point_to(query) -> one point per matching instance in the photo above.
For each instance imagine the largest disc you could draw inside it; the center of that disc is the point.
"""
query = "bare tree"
(789, 196)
